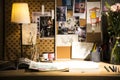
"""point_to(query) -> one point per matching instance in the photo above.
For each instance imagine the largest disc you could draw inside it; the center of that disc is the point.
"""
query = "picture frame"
(61, 13)
(47, 28)
(36, 18)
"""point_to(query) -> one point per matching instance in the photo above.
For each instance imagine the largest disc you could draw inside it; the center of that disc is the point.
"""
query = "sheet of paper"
(71, 65)
(81, 50)
(66, 40)
(29, 33)
(41, 66)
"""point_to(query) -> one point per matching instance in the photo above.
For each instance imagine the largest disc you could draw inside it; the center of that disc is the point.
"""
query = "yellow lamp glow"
(20, 13)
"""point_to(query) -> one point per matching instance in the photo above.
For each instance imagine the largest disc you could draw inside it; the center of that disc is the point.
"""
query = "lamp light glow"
(20, 13)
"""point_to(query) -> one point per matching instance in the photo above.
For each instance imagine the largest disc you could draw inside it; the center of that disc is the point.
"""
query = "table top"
(101, 71)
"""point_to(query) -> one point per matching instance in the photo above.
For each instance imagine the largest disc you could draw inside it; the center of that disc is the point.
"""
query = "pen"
(106, 68)
(115, 68)
(111, 68)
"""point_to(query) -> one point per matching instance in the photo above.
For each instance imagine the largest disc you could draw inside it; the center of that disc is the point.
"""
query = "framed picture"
(68, 3)
(47, 28)
(36, 18)
(61, 12)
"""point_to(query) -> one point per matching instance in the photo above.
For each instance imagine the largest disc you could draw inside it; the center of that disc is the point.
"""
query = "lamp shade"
(20, 13)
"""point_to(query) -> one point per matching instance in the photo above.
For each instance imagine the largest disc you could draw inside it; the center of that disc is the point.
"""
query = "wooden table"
(100, 74)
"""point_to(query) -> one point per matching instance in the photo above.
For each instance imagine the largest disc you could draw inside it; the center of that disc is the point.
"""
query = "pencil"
(106, 69)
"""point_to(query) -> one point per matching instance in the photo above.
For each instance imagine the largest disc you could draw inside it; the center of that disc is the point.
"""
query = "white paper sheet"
(66, 40)
(71, 65)
(81, 50)
(29, 33)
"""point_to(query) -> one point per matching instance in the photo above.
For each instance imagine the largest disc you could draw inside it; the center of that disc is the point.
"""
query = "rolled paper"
(42, 9)
(52, 14)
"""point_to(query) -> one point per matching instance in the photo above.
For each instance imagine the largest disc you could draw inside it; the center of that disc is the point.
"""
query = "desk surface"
(100, 74)
(101, 71)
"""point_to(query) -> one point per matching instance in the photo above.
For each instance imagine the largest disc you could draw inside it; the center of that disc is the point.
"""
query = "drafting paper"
(80, 50)
(29, 34)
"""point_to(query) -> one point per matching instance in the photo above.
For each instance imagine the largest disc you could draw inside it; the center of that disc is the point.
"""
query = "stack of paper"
(65, 65)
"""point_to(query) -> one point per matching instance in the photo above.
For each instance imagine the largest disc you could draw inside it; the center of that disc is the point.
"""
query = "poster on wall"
(69, 27)
(61, 12)
(66, 40)
(79, 8)
(46, 26)
(36, 18)
(94, 15)
(29, 34)
(80, 50)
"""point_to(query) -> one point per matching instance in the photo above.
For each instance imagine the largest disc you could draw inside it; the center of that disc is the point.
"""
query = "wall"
(12, 43)
(1, 29)
(12, 31)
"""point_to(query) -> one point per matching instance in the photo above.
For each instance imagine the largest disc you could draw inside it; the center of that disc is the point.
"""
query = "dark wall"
(1, 29)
